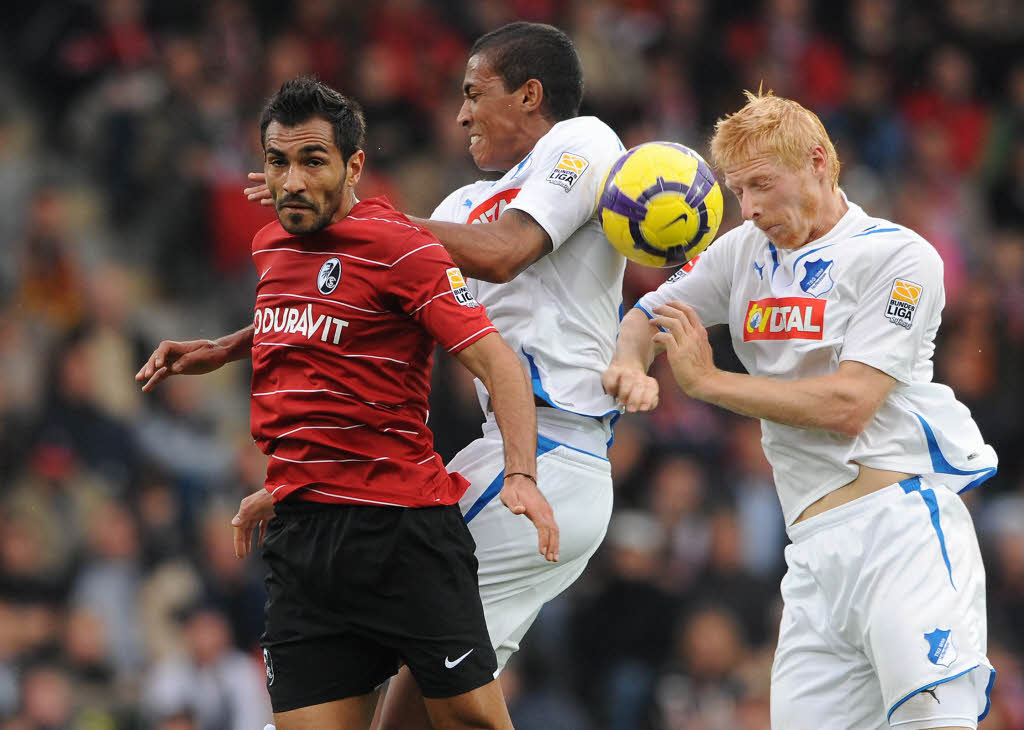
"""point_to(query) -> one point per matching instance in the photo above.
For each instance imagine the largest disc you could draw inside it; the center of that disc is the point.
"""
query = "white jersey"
(561, 315)
(869, 291)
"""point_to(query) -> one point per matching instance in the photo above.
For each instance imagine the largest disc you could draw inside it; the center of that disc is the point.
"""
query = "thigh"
(482, 708)
(819, 681)
(402, 707)
(515, 580)
(353, 713)
(925, 611)
(313, 654)
(434, 618)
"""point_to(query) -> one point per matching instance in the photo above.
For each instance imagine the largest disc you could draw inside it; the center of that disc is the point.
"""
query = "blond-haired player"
(834, 312)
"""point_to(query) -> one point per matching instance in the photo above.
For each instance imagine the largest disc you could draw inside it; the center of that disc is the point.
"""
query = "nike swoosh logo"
(448, 664)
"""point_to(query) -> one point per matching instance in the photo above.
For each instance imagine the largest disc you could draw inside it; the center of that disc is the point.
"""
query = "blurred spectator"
(949, 103)
(621, 635)
(703, 686)
(221, 687)
(109, 581)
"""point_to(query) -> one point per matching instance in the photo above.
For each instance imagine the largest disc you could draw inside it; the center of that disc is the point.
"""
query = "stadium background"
(126, 129)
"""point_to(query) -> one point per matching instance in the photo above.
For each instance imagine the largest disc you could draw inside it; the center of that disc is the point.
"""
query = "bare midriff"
(869, 480)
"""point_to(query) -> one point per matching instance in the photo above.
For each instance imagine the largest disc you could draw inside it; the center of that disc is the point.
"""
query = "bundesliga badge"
(904, 299)
(568, 170)
(459, 288)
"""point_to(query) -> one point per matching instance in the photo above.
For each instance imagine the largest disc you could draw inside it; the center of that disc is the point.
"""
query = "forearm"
(515, 413)
(237, 345)
(634, 347)
(496, 251)
(824, 402)
(476, 251)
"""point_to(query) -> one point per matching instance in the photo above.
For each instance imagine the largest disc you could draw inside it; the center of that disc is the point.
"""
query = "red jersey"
(345, 326)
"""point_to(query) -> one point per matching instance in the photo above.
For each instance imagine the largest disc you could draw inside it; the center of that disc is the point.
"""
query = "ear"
(532, 94)
(354, 168)
(819, 161)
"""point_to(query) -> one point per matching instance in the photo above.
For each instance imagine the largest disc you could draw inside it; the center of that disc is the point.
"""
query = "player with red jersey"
(370, 562)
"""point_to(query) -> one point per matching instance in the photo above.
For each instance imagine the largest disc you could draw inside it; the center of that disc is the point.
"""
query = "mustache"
(294, 200)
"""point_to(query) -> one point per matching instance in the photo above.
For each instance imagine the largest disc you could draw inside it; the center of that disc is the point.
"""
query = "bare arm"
(843, 401)
(194, 357)
(626, 378)
(497, 251)
(491, 360)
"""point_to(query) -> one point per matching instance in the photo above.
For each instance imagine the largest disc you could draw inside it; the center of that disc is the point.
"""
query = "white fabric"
(515, 580)
(866, 586)
(836, 305)
(561, 314)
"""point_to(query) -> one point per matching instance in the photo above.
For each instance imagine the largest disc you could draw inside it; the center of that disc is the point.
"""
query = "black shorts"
(353, 591)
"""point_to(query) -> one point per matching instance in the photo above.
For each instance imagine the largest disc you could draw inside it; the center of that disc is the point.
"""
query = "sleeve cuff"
(463, 344)
(643, 309)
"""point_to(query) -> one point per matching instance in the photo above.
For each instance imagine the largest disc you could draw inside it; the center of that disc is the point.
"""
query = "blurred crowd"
(126, 130)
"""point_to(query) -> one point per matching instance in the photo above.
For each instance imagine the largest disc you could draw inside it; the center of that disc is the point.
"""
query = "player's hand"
(521, 496)
(258, 193)
(686, 345)
(635, 390)
(253, 513)
(194, 357)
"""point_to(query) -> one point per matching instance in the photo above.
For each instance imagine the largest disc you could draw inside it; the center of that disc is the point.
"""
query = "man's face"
(306, 175)
(493, 117)
(782, 202)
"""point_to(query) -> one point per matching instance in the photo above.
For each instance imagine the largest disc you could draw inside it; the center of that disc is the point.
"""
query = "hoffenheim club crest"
(329, 276)
(941, 649)
(817, 277)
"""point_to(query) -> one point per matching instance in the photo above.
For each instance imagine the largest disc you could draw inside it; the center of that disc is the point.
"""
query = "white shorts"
(883, 597)
(515, 579)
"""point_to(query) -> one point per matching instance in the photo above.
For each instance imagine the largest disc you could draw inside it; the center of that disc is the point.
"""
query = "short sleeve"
(567, 169)
(897, 311)
(430, 288)
(703, 283)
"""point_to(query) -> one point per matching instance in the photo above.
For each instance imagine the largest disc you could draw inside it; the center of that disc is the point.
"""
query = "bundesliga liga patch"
(903, 301)
(568, 170)
(459, 288)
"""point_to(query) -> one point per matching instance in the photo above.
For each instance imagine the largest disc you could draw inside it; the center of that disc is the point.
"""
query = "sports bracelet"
(522, 474)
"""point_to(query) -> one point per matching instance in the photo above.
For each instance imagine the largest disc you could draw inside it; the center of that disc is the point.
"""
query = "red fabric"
(233, 220)
(341, 375)
(965, 124)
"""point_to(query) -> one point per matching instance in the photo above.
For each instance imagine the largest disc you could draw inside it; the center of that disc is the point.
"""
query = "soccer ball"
(660, 204)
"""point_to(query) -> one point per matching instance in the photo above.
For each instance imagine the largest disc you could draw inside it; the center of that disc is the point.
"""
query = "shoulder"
(269, 235)
(580, 133)
(390, 234)
(379, 216)
(887, 241)
(745, 236)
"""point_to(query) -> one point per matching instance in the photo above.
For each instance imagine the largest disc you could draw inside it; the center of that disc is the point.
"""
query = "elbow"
(854, 419)
(495, 272)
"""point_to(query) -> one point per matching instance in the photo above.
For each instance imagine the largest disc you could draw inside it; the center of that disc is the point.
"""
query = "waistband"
(852, 510)
(584, 433)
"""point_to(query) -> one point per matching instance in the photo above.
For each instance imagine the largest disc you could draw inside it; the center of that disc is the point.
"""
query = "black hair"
(521, 51)
(305, 98)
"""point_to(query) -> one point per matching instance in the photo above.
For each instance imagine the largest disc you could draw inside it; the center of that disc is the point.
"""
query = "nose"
(464, 117)
(750, 208)
(294, 180)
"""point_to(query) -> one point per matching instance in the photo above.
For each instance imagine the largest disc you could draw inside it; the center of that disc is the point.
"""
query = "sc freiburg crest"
(330, 274)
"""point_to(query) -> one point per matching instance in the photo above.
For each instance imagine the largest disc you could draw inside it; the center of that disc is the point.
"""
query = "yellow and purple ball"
(660, 204)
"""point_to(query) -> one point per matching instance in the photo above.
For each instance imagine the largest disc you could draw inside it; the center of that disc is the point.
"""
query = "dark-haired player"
(370, 561)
